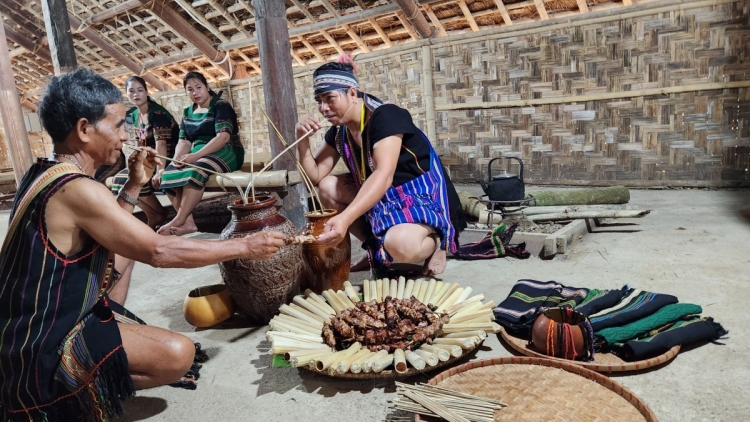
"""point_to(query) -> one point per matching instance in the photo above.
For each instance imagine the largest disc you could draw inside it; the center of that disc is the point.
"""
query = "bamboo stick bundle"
(373, 290)
(436, 292)
(454, 350)
(367, 364)
(399, 361)
(288, 319)
(409, 289)
(305, 316)
(304, 357)
(393, 291)
(415, 360)
(320, 301)
(401, 287)
(332, 300)
(442, 354)
(325, 362)
(452, 288)
(439, 294)
(465, 295)
(417, 287)
(366, 291)
(451, 300)
(308, 305)
(435, 407)
(379, 296)
(344, 299)
(478, 333)
(350, 292)
(463, 342)
(357, 365)
(383, 362)
(270, 335)
(464, 405)
(474, 300)
(343, 365)
(430, 290)
(490, 327)
(485, 315)
(429, 357)
(281, 348)
(423, 290)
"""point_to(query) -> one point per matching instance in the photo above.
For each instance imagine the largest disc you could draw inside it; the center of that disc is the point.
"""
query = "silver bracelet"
(127, 198)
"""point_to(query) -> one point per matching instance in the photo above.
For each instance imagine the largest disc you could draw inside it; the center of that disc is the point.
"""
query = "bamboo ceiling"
(320, 30)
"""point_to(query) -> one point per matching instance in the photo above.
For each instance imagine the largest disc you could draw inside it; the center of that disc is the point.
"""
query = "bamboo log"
(464, 295)
(343, 365)
(344, 299)
(447, 294)
(288, 347)
(438, 286)
(303, 357)
(415, 360)
(270, 335)
(308, 305)
(453, 349)
(332, 300)
(463, 342)
(324, 363)
(301, 313)
(423, 290)
(379, 296)
(383, 362)
(367, 365)
(430, 291)
(314, 296)
(442, 355)
(439, 295)
(285, 326)
(315, 326)
(490, 327)
(374, 290)
(483, 313)
(590, 196)
(357, 365)
(417, 287)
(393, 293)
(408, 291)
(401, 287)
(476, 333)
(428, 357)
(366, 290)
(451, 300)
(350, 292)
(556, 209)
(459, 307)
(399, 361)
(589, 214)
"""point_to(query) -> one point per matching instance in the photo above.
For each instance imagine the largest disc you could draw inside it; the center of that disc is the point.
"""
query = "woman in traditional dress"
(154, 127)
(397, 182)
(68, 350)
(208, 139)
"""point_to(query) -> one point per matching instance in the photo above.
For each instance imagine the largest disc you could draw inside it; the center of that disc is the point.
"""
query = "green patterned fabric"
(643, 326)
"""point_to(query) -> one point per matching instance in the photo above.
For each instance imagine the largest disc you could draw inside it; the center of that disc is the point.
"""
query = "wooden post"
(278, 85)
(59, 38)
(429, 94)
(10, 109)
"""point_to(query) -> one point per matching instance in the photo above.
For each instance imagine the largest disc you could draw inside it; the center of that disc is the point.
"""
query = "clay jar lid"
(544, 338)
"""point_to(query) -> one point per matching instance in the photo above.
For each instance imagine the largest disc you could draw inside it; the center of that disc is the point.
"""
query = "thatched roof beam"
(582, 6)
(185, 29)
(312, 49)
(415, 18)
(541, 9)
(229, 17)
(467, 14)
(409, 28)
(329, 7)
(37, 48)
(353, 35)
(298, 58)
(202, 20)
(333, 42)
(504, 11)
(627, 2)
(110, 13)
(304, 11)
(381, 33)
(435, 20)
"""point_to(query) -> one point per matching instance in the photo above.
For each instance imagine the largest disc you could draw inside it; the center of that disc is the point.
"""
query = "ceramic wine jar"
(543, 338)
(327, 266)
(259, 288)
(208, 305)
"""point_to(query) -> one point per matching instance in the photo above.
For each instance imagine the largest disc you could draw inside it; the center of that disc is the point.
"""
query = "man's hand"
(141, 165)
(306, 124)
(335, 230)
(264, 245)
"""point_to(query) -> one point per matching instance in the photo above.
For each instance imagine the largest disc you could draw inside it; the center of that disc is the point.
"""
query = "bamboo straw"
(288, 347)
(280, 326)
(356, 366)
(486, 326)
(298, 312)
(296, 323)
(458, 307)
(483, 313)
(478, 333)
(366, 290)
(430, 291)
(302, 356)
(315, 325)
(409, 288)
(434, 406)
(326, 362)
(394, 289)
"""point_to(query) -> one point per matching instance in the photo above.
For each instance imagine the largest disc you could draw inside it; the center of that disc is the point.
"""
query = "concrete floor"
(693, 245)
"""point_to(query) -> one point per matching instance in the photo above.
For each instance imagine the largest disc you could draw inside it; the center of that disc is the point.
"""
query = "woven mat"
(603, 362)
(537, 392)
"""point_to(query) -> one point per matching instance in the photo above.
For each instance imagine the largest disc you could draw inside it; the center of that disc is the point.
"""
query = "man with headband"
(397, 199)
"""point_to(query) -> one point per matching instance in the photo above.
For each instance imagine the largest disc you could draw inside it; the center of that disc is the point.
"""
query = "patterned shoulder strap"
(45, 179)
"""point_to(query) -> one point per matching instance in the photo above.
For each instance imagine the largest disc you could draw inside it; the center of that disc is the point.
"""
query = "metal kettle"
(504, 186)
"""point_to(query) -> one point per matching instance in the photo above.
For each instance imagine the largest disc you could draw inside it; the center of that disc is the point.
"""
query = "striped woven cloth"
(635, 305)
(642, 327)
(681, 332)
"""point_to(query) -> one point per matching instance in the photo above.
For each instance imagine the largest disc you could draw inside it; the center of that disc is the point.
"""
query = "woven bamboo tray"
(604, 362)
(455, 310)
(543, 390)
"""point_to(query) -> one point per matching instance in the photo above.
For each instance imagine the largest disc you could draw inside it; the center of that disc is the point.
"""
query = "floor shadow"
(273, 380)
(139, 408)
(596, 228)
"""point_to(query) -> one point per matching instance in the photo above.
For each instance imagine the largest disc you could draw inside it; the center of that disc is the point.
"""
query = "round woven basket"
(543, 390)
(604, 362)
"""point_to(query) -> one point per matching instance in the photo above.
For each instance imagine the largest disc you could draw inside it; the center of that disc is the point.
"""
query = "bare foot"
(183, 229)
(165, 229)
(363, 263)
(156, 224)
(435, 264)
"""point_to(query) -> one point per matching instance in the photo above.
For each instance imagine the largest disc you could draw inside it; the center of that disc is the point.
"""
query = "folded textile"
(600, 300)
(635, 305)
(528, 298)
(495, 244)
(682, 332)
(643, 326)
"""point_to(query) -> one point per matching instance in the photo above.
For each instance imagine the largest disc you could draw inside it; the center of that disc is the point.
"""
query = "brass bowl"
(208, 305)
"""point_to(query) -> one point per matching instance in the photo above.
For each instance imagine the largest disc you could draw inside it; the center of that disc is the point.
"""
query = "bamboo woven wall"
(686, 138)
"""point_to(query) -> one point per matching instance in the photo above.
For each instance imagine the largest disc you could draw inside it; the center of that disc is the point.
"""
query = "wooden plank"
(333, 42)
(541, 9)
(504, 12)
(353, 35)
(468, 16)
(42, 51)
(312, 49)
(59, 37)
(435, 20)
(380, 32)
(582, 5)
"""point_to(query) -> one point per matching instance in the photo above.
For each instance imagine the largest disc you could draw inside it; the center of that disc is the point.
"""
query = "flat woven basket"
(604, 362)
(544, 390)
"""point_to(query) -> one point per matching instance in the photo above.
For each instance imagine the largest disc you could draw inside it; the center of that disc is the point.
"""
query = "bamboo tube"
(366, 290)
(383, 362)
(356, 366)
(469, 308)
(465, 295)
(332, 301)
(350, 292)
(344, 299)
(409, 288)
(322, 310)
(344, 365)
(477, 299)
(477, 320)
(447, 294)
(288, 356)
(417, 287)
(401, 287)
(428, 357)
(367, 364)
(283, 348)
(451, 300)
(484, 313)
(454, 350)
(423, 290)
(305, 303)
(476, 333)
(490, 327)
(442, 355)
(374, 291)
(300, 313)
(440, 294)
(415, 360)
(435, 292)
(379, 296)
(319, 300)
(325, 362)
(430, 291)
(463, 342)
(394, 289)
(270, 335)
(307, 359)
(287, 319)
(299, 344)
(280, 326)
(399, 361)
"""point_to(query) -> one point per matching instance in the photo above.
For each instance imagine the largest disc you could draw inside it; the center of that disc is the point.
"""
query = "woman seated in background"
(208, 139)
(154, 127)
